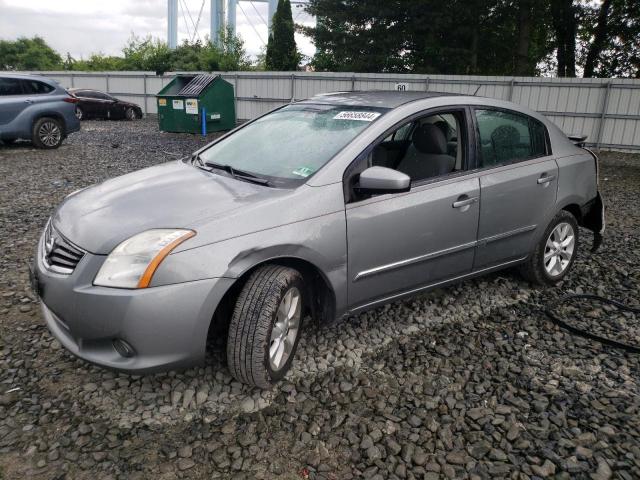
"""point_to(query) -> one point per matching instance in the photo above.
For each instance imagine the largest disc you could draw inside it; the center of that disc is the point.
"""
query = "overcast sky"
(82, 27)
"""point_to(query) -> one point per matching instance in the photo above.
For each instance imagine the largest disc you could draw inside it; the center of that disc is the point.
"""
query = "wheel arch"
(323, 299)
(50, 114)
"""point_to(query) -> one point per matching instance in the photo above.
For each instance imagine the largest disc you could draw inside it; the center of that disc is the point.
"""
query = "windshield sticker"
(362, 116)
(303, 171)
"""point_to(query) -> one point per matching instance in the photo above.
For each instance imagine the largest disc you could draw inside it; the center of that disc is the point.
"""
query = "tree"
(565, 26)
(492, 37)
(282, 52)
(611, 37)
(28, 54)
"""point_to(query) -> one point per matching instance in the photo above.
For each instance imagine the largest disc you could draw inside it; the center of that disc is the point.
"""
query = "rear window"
(10, 86)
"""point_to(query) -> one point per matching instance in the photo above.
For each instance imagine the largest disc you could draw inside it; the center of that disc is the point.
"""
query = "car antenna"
(477, 89)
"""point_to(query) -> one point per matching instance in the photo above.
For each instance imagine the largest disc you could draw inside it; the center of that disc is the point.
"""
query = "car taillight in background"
(70, 99)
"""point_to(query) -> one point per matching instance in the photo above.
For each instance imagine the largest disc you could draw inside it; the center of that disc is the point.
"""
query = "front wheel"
(47, 133)
(130, 114)
(554, 255)
(79, 113)
(265, 326)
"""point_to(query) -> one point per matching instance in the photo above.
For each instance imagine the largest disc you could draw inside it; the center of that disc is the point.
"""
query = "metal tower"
(218, 18)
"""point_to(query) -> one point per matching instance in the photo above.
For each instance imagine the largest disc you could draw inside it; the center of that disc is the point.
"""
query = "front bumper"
(166, 327)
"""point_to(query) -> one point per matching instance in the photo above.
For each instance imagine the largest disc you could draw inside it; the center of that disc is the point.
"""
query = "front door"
(405, 241)
(517, 189)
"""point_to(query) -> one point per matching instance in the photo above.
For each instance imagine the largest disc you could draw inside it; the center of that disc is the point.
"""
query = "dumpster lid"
(197, 85)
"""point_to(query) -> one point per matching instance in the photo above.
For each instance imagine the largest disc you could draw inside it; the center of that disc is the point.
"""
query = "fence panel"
(608, 110)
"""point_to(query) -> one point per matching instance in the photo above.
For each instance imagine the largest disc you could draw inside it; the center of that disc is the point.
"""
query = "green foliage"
(145, 54)
(609, 38)
(282, 53)
(487, 37)
(426, 36)
(28, 54)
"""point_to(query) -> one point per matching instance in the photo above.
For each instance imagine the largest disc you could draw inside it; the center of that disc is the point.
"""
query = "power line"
(198, 21)
(250, 22)
(186, 24)
(261, 18)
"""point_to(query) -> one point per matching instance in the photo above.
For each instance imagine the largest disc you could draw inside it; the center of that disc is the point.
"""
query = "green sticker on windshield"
(303, 171)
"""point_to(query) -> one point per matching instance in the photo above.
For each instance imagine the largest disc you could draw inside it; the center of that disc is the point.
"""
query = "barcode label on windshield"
(362, 116)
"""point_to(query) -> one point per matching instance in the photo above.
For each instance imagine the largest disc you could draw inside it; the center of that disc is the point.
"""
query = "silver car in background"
(325, 207)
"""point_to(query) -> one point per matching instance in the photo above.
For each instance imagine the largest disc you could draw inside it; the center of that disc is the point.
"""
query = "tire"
(130, 114)
(543, 267)
(79, 113)
(47, 133)
(258, 323)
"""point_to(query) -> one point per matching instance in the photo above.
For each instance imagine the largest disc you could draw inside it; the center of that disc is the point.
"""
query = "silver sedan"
(322, 208)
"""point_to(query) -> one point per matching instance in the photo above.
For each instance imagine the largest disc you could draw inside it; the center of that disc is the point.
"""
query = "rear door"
(12, 99)
(518, 186)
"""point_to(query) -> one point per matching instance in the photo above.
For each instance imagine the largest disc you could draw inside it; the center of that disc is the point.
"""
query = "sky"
(83, 27)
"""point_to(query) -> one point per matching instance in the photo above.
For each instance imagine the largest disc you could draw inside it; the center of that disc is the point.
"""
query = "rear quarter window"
(34, 87)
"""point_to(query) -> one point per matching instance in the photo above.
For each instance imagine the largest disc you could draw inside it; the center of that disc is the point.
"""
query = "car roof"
(23, 76)
(374, 98)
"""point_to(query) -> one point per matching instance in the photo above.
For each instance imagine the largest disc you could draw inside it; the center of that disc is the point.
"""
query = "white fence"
(608, 110)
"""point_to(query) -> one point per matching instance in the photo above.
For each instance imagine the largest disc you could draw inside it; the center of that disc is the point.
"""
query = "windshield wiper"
(234, 172)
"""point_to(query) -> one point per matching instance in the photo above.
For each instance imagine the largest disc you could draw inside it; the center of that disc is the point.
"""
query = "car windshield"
(292, 143)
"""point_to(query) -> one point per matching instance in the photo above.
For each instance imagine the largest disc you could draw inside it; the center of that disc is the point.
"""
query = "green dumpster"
(184, 101)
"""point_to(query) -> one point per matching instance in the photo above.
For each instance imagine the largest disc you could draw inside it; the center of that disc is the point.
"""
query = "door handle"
(464, 202)
(546, 179)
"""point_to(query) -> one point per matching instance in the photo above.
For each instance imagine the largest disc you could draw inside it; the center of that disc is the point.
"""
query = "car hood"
(171, 195)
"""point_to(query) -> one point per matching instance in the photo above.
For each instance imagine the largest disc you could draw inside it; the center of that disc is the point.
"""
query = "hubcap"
(49, 134)
(131, 114)
(79, 113)
(285, 329)
(559, 248)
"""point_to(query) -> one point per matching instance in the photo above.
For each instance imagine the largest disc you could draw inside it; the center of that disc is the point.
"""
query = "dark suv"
(36, 108)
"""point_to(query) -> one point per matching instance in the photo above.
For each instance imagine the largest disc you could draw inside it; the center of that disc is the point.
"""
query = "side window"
(538, 138)
(424, 148)
(33, 87)
(10, 86)
(506, 137)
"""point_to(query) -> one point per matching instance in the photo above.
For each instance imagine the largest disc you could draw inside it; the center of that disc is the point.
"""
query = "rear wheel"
(47, 133)
(265, 326)
(554, 255)
(130, 114)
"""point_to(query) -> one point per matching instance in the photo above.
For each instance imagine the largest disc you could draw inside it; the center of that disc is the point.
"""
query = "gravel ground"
(470, 381)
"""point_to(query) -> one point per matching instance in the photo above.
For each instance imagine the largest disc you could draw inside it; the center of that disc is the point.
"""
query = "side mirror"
(379, 180)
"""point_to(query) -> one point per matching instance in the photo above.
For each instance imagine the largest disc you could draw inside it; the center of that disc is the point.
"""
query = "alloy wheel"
(559, 249)
(285, 329)
(79, 113)
(50, 134)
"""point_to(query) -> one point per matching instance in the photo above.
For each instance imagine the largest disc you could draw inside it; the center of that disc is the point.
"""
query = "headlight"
(133, 263)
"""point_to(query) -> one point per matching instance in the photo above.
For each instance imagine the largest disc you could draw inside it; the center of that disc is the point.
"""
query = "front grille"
(60, 255)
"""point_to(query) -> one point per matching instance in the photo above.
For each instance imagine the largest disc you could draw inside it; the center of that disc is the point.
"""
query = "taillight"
(70, 99)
